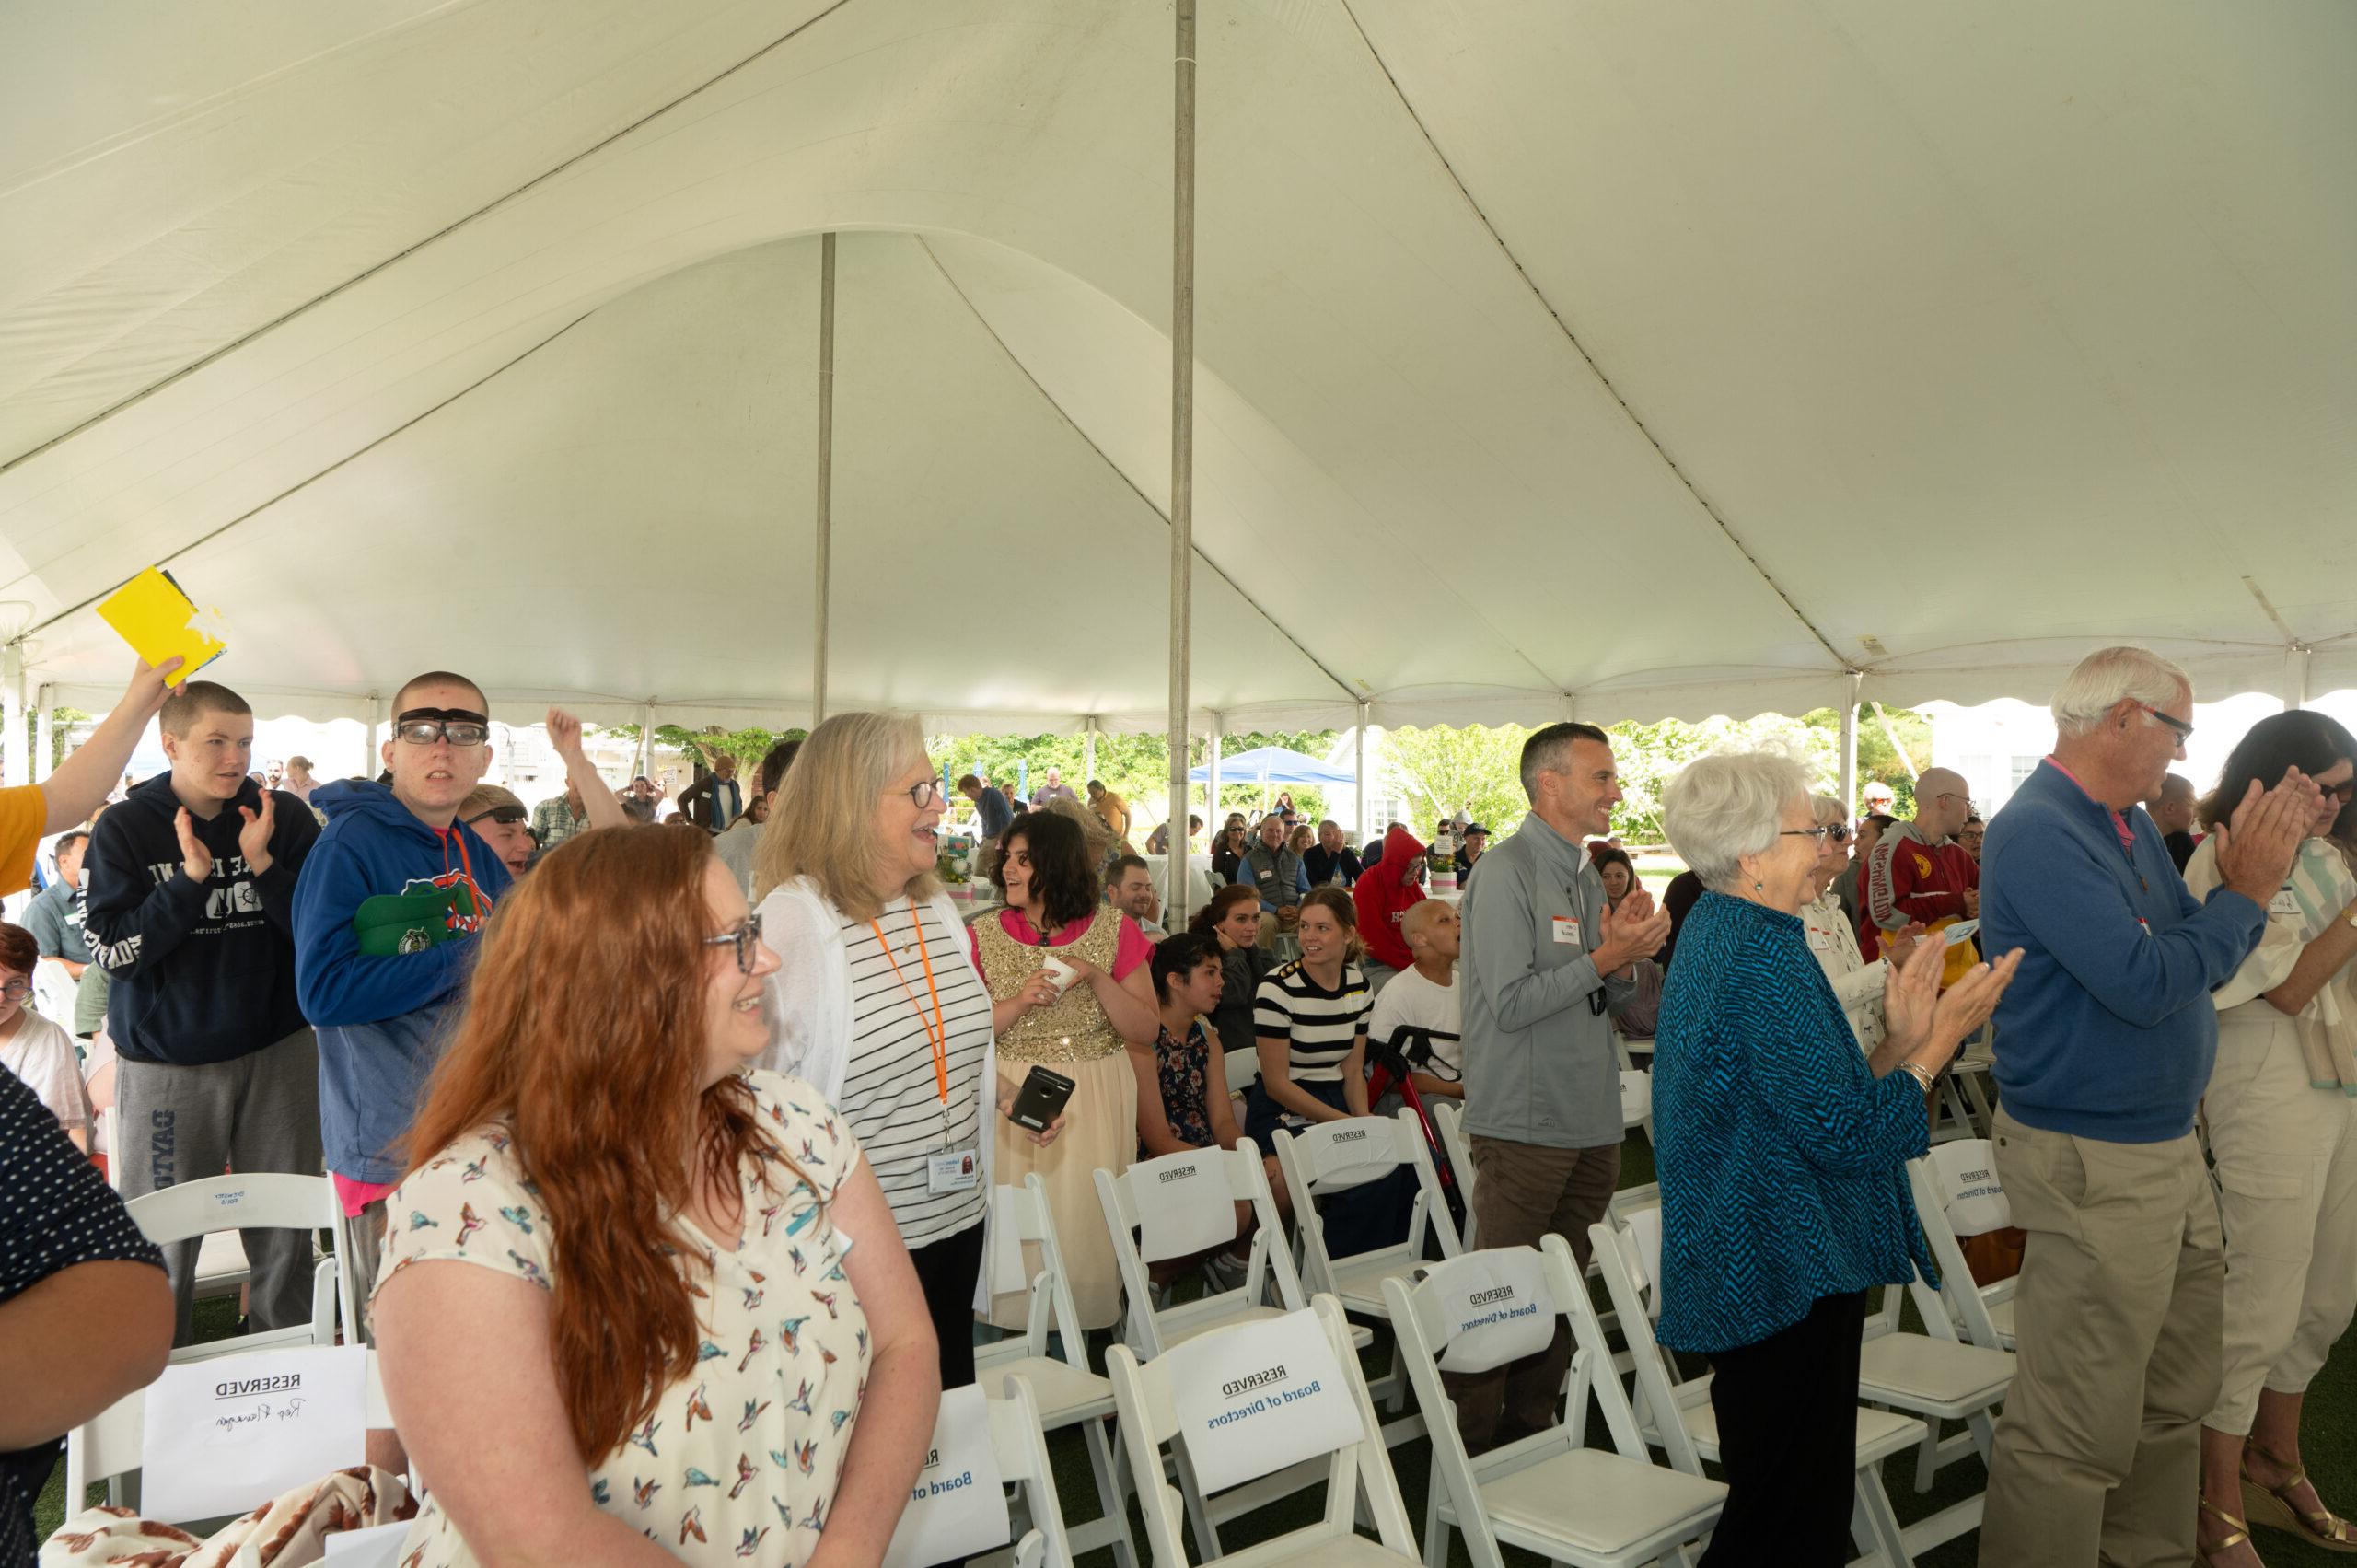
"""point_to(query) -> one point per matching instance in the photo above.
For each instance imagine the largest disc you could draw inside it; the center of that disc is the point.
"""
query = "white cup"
(1062, 973)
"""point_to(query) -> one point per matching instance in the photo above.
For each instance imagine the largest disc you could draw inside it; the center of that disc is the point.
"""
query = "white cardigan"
(808, 1006)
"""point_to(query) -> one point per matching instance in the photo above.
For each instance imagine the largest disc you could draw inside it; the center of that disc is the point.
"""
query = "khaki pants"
(1521, 1192)
(2117, 1319)
(2287, 1160)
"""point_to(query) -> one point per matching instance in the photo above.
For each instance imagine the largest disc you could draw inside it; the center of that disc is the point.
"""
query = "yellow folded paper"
(159, 620)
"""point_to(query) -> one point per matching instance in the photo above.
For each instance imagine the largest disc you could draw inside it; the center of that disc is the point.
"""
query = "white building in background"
(1997, 745)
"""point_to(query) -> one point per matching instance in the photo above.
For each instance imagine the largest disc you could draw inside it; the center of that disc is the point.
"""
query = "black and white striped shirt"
(890, 1092)
(1322, 1025)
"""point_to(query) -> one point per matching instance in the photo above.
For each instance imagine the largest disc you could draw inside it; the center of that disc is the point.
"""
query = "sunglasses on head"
(460, 726)
(507, 814)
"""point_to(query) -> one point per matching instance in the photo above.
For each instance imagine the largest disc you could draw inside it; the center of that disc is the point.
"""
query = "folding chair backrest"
(1021, 1446)
(1960, 1307)
(1025, 1210)
(1359, 1474)
(1636, 1096)
(1270, 1266)
(1336, 1158)
(1633, 1293)
(1448, 1121)
(1964, 1174)
(1243, 1068)
(264, 1200)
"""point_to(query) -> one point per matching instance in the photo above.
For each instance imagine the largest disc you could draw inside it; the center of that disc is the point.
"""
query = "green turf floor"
(2330, 1439)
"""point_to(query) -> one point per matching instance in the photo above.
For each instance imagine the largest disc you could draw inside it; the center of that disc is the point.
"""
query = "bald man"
(1917, 871)
(2173, 812)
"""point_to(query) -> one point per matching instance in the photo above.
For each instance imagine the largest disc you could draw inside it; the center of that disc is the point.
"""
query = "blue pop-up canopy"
(1274, 764)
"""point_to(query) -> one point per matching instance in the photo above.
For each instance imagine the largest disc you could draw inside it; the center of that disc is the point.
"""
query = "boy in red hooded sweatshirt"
(1384, 893)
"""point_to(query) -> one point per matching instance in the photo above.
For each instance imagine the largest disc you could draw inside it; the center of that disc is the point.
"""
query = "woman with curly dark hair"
(1071, 991)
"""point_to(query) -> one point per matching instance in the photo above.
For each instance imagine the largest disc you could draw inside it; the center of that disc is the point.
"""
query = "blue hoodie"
(2107, 1031)
(380, 1020)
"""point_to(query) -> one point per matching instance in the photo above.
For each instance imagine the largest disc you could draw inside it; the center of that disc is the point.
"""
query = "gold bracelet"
(1918, 1071)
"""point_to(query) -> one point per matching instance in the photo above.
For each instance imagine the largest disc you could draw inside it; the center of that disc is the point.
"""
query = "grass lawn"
(2330, 1441)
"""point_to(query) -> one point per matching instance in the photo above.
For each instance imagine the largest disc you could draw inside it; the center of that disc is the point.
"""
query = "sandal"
(2271, 1506)
(2241, 1531)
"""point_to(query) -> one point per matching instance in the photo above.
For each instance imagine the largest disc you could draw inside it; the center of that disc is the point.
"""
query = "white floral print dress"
(740, 1461)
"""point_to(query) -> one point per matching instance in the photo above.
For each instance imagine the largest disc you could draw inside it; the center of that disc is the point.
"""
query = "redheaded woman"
(623, 1320)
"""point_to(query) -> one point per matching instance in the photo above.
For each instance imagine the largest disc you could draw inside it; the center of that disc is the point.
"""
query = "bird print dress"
(739, 1459)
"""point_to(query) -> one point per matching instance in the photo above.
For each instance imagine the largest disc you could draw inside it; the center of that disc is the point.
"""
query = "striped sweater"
(1781, 1158)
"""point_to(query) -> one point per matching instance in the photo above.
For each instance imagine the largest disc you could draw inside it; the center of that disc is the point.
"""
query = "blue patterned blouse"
(1781, 1158)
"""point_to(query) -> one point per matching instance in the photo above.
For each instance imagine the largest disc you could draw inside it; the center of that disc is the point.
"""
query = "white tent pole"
(1851, 682)
(2302, 658)
(1213, 817)
(1358, 834)
(1182, 438)
(826, 467)
(44, 734)
(379, 729)
(1088, 749)
(19, 763)
(646, 740)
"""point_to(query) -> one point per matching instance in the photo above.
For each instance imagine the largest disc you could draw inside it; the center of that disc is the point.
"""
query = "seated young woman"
(622, 1318)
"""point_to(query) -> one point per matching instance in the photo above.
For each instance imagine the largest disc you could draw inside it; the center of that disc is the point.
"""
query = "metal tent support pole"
(646, 740)
(1358, 834)
(1182, 439)
(1088, 749)
(2302, 660)
(826, 466)
(44, 733)
(1851, 683)
(18, 754)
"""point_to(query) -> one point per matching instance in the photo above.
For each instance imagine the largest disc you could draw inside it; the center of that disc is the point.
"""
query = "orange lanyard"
(936, 1029)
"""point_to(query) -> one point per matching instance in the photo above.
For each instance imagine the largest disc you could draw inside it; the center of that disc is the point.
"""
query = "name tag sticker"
(1260, 1396)
(2285, 901)
(1820, 941)
(223, 1436)
(1567, 929)
(954, 1172)
(958, 1507)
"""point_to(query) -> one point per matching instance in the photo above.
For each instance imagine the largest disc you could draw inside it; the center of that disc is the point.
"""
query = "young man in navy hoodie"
(191, 912)
(387, 918)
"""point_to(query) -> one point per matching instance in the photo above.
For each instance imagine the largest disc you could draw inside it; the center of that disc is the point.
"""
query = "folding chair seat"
(1677, 1412)
(1063, 1391)
(1357, 1474)
(1549, 1493)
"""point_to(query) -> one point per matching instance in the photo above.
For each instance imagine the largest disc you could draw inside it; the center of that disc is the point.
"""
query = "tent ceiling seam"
(1074, 424)
(1683, 478)
(301, 484)
(489, 207)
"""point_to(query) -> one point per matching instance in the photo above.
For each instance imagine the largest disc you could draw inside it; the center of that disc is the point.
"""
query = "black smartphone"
(1040, 1099)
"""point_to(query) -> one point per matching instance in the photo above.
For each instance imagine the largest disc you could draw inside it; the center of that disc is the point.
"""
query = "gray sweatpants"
(257, 1113)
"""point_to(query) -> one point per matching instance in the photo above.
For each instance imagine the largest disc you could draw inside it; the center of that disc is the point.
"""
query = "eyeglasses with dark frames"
(746, 934)
(2183, 730)
(921, 793)
(1824, 832)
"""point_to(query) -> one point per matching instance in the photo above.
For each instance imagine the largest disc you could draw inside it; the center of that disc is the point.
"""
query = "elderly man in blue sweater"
(2104, 1047)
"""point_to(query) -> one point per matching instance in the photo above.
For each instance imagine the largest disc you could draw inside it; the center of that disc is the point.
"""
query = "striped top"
(1321, 1025)
(890, 1094)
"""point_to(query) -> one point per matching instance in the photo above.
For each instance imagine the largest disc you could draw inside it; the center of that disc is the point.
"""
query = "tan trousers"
(2287, 1160)
(2117, 1320)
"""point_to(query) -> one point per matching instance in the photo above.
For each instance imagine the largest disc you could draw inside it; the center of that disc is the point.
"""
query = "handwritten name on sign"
(219, 1443)
(1275, 1383)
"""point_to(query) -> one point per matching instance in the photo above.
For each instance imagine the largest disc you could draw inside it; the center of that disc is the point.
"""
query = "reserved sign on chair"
(1256, 1397)
(223, 1436)
(1183, 1204)
(958, 1507)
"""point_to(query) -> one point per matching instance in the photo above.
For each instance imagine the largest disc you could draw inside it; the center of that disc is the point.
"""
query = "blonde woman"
(1857, 984)
(877, 1003)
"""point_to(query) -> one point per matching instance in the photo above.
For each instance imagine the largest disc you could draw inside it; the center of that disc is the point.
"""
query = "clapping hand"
(1622, 940)
(2259, 843)
(1965, 1006)
(253, 839)
(196, 861)
(1910, 992)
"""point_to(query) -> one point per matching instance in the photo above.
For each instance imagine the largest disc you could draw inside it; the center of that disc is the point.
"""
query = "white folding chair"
(1676, 1413)
(1448, 1121)
(1330, 1161)
(1956, 1195)
(1064, 1390)
(211, 1205)
(1021, 1446)
(1637, 1102)
(1357, 1475)
(1549, 1493)
(107, 1447)
(1243, 1069)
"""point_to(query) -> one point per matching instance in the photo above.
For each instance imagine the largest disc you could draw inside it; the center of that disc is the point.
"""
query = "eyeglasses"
(743, 939)
(1833, 831)
(2183, 730)
(2343, 793)
(423, 726)
(16, 989)
(1951, 795)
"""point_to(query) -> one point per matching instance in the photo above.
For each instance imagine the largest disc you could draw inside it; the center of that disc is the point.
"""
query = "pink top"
(2119, 818)
(357, 1195)
(1133, 949)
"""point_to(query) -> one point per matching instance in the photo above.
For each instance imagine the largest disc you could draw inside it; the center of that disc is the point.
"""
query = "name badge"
(954, 1172)
(2285, 901)
(1567, 929)
(1820, 941)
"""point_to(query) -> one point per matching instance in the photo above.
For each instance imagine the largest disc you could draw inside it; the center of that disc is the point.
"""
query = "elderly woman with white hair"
(1833, 939)
(1782, 1151)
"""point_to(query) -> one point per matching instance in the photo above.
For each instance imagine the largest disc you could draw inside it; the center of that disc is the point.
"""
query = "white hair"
(1829, 809)
(1727, 805)
(2109, 677)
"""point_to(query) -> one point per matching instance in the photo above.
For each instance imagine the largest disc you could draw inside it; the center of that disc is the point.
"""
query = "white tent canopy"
(1553, 357)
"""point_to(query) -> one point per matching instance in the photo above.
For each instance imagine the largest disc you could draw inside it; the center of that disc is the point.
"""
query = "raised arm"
(82, 781)
(564, 735)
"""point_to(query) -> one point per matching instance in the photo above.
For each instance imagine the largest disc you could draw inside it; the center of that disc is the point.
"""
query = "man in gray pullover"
(1543, 965)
